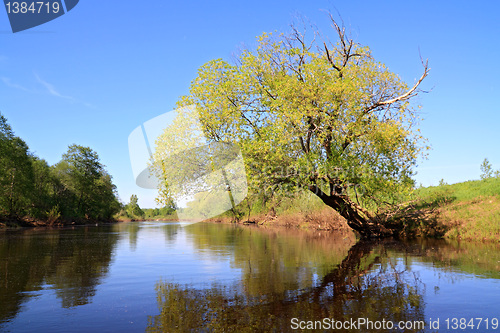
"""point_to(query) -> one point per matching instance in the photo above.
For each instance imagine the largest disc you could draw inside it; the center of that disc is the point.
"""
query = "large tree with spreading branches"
(318, 116)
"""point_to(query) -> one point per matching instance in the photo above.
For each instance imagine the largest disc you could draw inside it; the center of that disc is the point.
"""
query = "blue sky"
(93, 75)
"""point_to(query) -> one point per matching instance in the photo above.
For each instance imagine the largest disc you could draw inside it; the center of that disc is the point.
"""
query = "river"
(163, 277)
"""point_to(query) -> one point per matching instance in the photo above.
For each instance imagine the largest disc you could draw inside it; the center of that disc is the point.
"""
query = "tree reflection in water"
(71, 261)
(365, 284)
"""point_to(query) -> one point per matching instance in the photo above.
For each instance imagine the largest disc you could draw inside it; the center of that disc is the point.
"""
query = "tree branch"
(244, 117)
(407, 95)
(331, 61)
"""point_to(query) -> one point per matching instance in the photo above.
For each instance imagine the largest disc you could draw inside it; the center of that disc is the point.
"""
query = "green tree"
(107, 204)
(85, 189)
(486, 169)
(16, 172)
(308, 115)
(76, 187)
(44, 185)
(133, 209)
(65, 195)
(168, 209)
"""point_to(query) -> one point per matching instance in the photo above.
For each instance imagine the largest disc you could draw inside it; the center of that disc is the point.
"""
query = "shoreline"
(18, 223)
(325, 220)
(27, 222)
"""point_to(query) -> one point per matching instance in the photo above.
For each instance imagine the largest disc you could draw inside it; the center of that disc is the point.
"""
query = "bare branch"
(407, 95)
(346, 48)
(331, 61)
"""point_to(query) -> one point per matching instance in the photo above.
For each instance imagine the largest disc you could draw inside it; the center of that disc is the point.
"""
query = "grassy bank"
(463, 211)
(469, 210)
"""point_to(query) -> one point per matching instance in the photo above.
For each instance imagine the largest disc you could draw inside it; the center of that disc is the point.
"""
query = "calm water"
(160, 277)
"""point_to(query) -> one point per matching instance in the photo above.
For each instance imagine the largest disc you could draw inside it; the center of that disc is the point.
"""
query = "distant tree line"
(132, 210)
(164, 212)
(76, 188)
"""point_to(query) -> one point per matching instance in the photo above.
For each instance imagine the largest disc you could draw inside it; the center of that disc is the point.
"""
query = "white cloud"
(48, 88)
(8, 82)
(51, 89)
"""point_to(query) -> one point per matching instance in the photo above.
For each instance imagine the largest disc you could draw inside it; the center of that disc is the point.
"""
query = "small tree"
(486, 169)
(133, 209)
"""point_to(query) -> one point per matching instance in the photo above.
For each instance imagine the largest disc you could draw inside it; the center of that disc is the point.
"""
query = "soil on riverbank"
(28, 222)
(324, 220)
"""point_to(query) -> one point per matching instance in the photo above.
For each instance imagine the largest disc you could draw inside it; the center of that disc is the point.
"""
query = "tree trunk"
(358, 220)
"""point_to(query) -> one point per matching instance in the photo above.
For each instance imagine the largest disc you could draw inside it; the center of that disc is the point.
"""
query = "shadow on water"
(70, 261)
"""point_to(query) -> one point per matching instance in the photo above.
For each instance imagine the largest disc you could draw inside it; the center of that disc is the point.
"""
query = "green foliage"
(86, 186)
(167, 212)
(486, 169)
(133, 211)
(44, 182)
(53, 214)
(306, 115)
(16, 172)
(76, 187)
(132, 208)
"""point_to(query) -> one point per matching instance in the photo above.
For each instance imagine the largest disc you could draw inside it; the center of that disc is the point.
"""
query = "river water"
(163, 277)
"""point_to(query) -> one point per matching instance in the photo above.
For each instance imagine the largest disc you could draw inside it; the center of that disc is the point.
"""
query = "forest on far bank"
(77, 188)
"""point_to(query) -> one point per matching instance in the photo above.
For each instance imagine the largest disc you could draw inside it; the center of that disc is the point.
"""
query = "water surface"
(159, 276)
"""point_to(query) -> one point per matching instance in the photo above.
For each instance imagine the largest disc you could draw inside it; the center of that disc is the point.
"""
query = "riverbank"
(463, 211)
(13, 223)
(28, 222)
(324, 219)
(468, 210)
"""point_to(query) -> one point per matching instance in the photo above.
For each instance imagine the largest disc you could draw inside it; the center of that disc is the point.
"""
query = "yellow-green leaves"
(303, 105)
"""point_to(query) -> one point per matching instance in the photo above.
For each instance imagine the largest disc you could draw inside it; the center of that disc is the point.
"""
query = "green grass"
(470, 210)
(466, 191)
(305, 202)
(465, 211)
